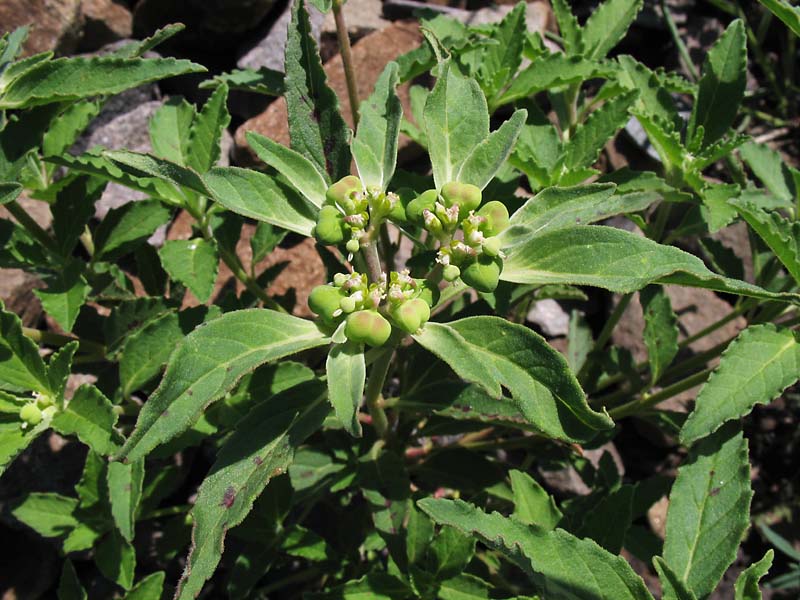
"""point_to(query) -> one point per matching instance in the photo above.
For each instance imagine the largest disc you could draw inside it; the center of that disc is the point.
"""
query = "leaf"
(746, 586)
(68, 126)
(584, 148)
(66, 293)
(781, 235)
(373, 586)
(14, 439)
(755, 368)
(769, 167)
(9, 192)
(192, 262)
(488, 156)
(137, 163)
(208, 363)
(316, 127)
(170, 130)
(456, 120)
(73, 209)
(116, 559)
(257, 81)
(206, 131)
(464, 587)
(608, 521)
(593, 573)
(258, 196)
(21, 367)
(148, 588)
(493, 352)
(375, 146)
(673, 588)
(69, 586)
(139, 47)
(532, 504)
(48, 514)
(127, 226)
(721, 87)
(124, 493)
(68, 79)
(790, 15)
(90, 416)
(568, 27)
(346, 371)
(580, 339)
(538, 148)
(709, 509)
(500, 61)
(615, 260)
(654, 99)
(607, 25)
(297, 169)
(261, 447)
(660, 329)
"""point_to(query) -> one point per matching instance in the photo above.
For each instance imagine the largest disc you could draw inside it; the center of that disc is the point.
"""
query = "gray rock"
(550, 317)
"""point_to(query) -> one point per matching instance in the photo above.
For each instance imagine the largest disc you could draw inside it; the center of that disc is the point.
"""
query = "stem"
(56, 339)
(297, 577)
(32, 227)
(638, 405)
(682, 50)
(377, 377)
(607, 330)
(347, 58)
(373, 260)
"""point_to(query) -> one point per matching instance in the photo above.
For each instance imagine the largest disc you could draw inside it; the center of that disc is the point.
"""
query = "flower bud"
(339, 279)
(403, 197)
(491, 246)
(31, 414)
(431, 222)
(483, 274)
(342, 193)
(411, 315)
(330, 227)
(324, 301)
(465, 195)
(352, 246)
(451, 273)
(347, 304)
(496, 215)
(367, 327)
(425, 201)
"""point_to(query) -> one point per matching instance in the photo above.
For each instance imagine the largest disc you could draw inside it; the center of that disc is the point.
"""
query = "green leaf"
(607, 25)
(346, 372)
(456, 121)
(257, 81)
(746, 586)
(672, 586)
(48, 514)
(615, 260)
(136, 163)
(709, 509)
(261, 447)
(592, 573)
(68, 126)
(375, 145)
(500, 61)
(755, 368)
(73, 209)
(373, 586)
(116, 559)
(721, 87)
(584, 148)
(14, 439)
(538, 148)
(264, 241)
(488, 156)
(170, 128)
(208, 363)
(90, 416)
(258, 196)
(21, 367)
(139, 47)
(568, 27)
(493, 352)
(316, 127)
(69, 586)
(532, 504)
(660, 329)
(769, 167)
(67, 79)
(124, 493)
(464, 587)
(654, 99)
(66, 293)
(790, 15)
(192, 262)
(125, 227)
(609, 519)
(581, 340)
(297, 169)
(206, 131)
(665, 139)
(149, 588)
(780, 234)
(9, 192)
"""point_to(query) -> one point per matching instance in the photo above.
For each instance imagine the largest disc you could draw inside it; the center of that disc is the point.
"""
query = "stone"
(55, 24)
(548, 315)
(361, 16)
(370, 56)
(105, 21)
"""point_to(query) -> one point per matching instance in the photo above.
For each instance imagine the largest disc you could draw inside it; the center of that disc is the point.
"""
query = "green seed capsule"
(330, 227)
(491, 246)
(398, 212)
(341, 192)
(31, 414)
(347, 304)
(465, 195)
(483, 274)
(411, 315)
(324, 300)
(496, 215)
(367, 327)
(415, 208)
(428, 291)
(451, 273)
(352, 246)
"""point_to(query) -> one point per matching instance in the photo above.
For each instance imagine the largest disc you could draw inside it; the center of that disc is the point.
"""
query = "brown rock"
(370, 56)
(105, 21)
(55, 24)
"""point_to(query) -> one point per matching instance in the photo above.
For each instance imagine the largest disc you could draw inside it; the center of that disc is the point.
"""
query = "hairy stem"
(347, 58)
(31, 226)
(645, 402)
(377, 377)
(56, 339)
(607, 330)
(373, 260)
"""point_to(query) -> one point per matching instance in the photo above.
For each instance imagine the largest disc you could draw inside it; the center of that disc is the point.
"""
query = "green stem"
(607, 330)
(645, 402)
(56, 339)
(373, 260)
(682, 50)
(347, 59)
(32, 227)
(377, 377)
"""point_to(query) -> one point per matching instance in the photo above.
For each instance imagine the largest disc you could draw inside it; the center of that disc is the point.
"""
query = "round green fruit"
(411, 315)
(451, 273)
(465, 195)
(342, 191)
(496, 215)
(324, 300)
(367, 327)
(483, 274)
(416, 208)
(491, 246)
(31, 414)
(330, 227)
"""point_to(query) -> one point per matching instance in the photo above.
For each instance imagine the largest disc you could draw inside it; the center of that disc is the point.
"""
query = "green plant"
(312, 494)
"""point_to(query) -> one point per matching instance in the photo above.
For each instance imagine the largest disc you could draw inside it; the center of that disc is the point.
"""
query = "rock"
(16, 292)
(370, 56)
(105, 21)
(55, 24)
(361, 16)
(550, 317)
(538, 14)
(657, 516)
